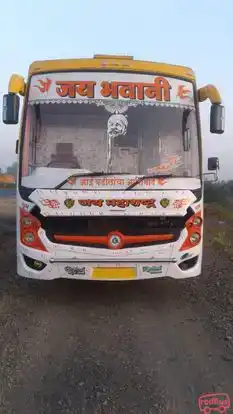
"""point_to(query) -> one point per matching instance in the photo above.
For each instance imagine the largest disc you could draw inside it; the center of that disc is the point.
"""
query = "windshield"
(65, 139)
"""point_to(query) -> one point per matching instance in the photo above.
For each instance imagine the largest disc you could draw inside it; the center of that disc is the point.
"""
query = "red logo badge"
(115, 241)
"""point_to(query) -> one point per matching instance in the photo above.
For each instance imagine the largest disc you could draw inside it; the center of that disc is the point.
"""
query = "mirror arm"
(209, 92)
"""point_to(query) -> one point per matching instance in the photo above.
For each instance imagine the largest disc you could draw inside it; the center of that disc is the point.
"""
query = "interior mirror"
(10, 110)
(217, 119)
(187, 139)
(213, 164)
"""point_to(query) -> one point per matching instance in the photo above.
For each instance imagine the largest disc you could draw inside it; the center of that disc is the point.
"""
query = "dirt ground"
(144, 347)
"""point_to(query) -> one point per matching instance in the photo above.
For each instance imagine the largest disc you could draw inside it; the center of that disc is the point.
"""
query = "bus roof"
(109, 62)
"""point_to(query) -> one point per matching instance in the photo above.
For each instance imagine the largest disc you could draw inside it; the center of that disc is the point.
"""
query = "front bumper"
(84, 263)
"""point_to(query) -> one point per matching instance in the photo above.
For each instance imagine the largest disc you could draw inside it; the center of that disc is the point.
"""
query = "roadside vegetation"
(219, 209)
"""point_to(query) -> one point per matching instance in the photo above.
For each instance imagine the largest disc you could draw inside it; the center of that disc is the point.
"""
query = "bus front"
(110, 166)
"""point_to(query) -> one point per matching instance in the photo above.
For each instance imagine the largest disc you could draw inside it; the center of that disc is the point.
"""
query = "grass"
(222, 240)
(219, 211)
(220, 227)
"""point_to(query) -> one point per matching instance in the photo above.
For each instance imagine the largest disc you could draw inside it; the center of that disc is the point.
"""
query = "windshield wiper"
(140, 179)
(91, 174)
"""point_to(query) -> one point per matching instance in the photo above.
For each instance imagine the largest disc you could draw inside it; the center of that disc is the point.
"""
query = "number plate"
(113, 273)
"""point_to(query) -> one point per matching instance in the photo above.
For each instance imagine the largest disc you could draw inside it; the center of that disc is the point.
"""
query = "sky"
(196, 34)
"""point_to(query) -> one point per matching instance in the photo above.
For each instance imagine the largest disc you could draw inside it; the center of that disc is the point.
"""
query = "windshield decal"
(43, 85)
(183, 92)
(115, 182)
(173, 162)
(117, 125)
(70, 89)
(89, 87)
(159, 89)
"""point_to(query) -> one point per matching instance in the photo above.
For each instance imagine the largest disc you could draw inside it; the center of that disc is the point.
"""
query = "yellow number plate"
(113, 273)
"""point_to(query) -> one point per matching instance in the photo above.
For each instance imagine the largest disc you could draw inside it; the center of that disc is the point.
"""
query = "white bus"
(110, 183)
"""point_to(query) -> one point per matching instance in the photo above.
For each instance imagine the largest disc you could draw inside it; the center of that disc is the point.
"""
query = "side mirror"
(213, 164)
(187, 140)
(217, 119)
(10, 111)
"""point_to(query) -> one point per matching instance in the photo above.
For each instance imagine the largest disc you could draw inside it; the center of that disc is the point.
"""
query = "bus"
(110, 182)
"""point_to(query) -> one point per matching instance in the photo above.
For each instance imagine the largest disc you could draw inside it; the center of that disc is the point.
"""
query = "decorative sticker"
(183, 92)
(93, 182)
(26, 206)
(119, 203)
(180, 203)
(69, 202)
(164, 202)
(50, 203)
(90, 203)
(197, 207)
(152, 269)
(75, 270)
(173, 161)
(117, 125)
(43, 85)
(148, 203)
(111, 86)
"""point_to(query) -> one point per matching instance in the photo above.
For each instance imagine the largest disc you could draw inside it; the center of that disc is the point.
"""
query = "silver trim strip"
(119, 260)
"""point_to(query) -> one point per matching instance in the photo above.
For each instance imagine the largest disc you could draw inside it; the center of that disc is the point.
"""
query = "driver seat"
(64, 157)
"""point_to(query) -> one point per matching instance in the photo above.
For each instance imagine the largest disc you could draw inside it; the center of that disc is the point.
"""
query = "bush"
(221, 192)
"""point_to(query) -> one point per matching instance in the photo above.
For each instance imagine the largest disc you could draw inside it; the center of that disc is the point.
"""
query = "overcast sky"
(197, 34)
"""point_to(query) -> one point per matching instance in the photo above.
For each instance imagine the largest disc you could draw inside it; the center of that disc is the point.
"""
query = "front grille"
(102, 226)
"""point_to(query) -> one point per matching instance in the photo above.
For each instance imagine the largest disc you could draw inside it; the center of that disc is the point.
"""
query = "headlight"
(194, 238)
(26, 221)
(197, 221)
(29, 237)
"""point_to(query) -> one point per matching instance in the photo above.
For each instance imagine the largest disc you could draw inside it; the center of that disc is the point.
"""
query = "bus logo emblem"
(69, 203)
(115, 241)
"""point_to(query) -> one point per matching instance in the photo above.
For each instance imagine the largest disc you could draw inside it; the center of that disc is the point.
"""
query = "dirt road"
(144, 347)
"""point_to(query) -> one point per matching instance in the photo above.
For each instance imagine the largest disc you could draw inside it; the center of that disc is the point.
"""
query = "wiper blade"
(140, 179)
(90, 174)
